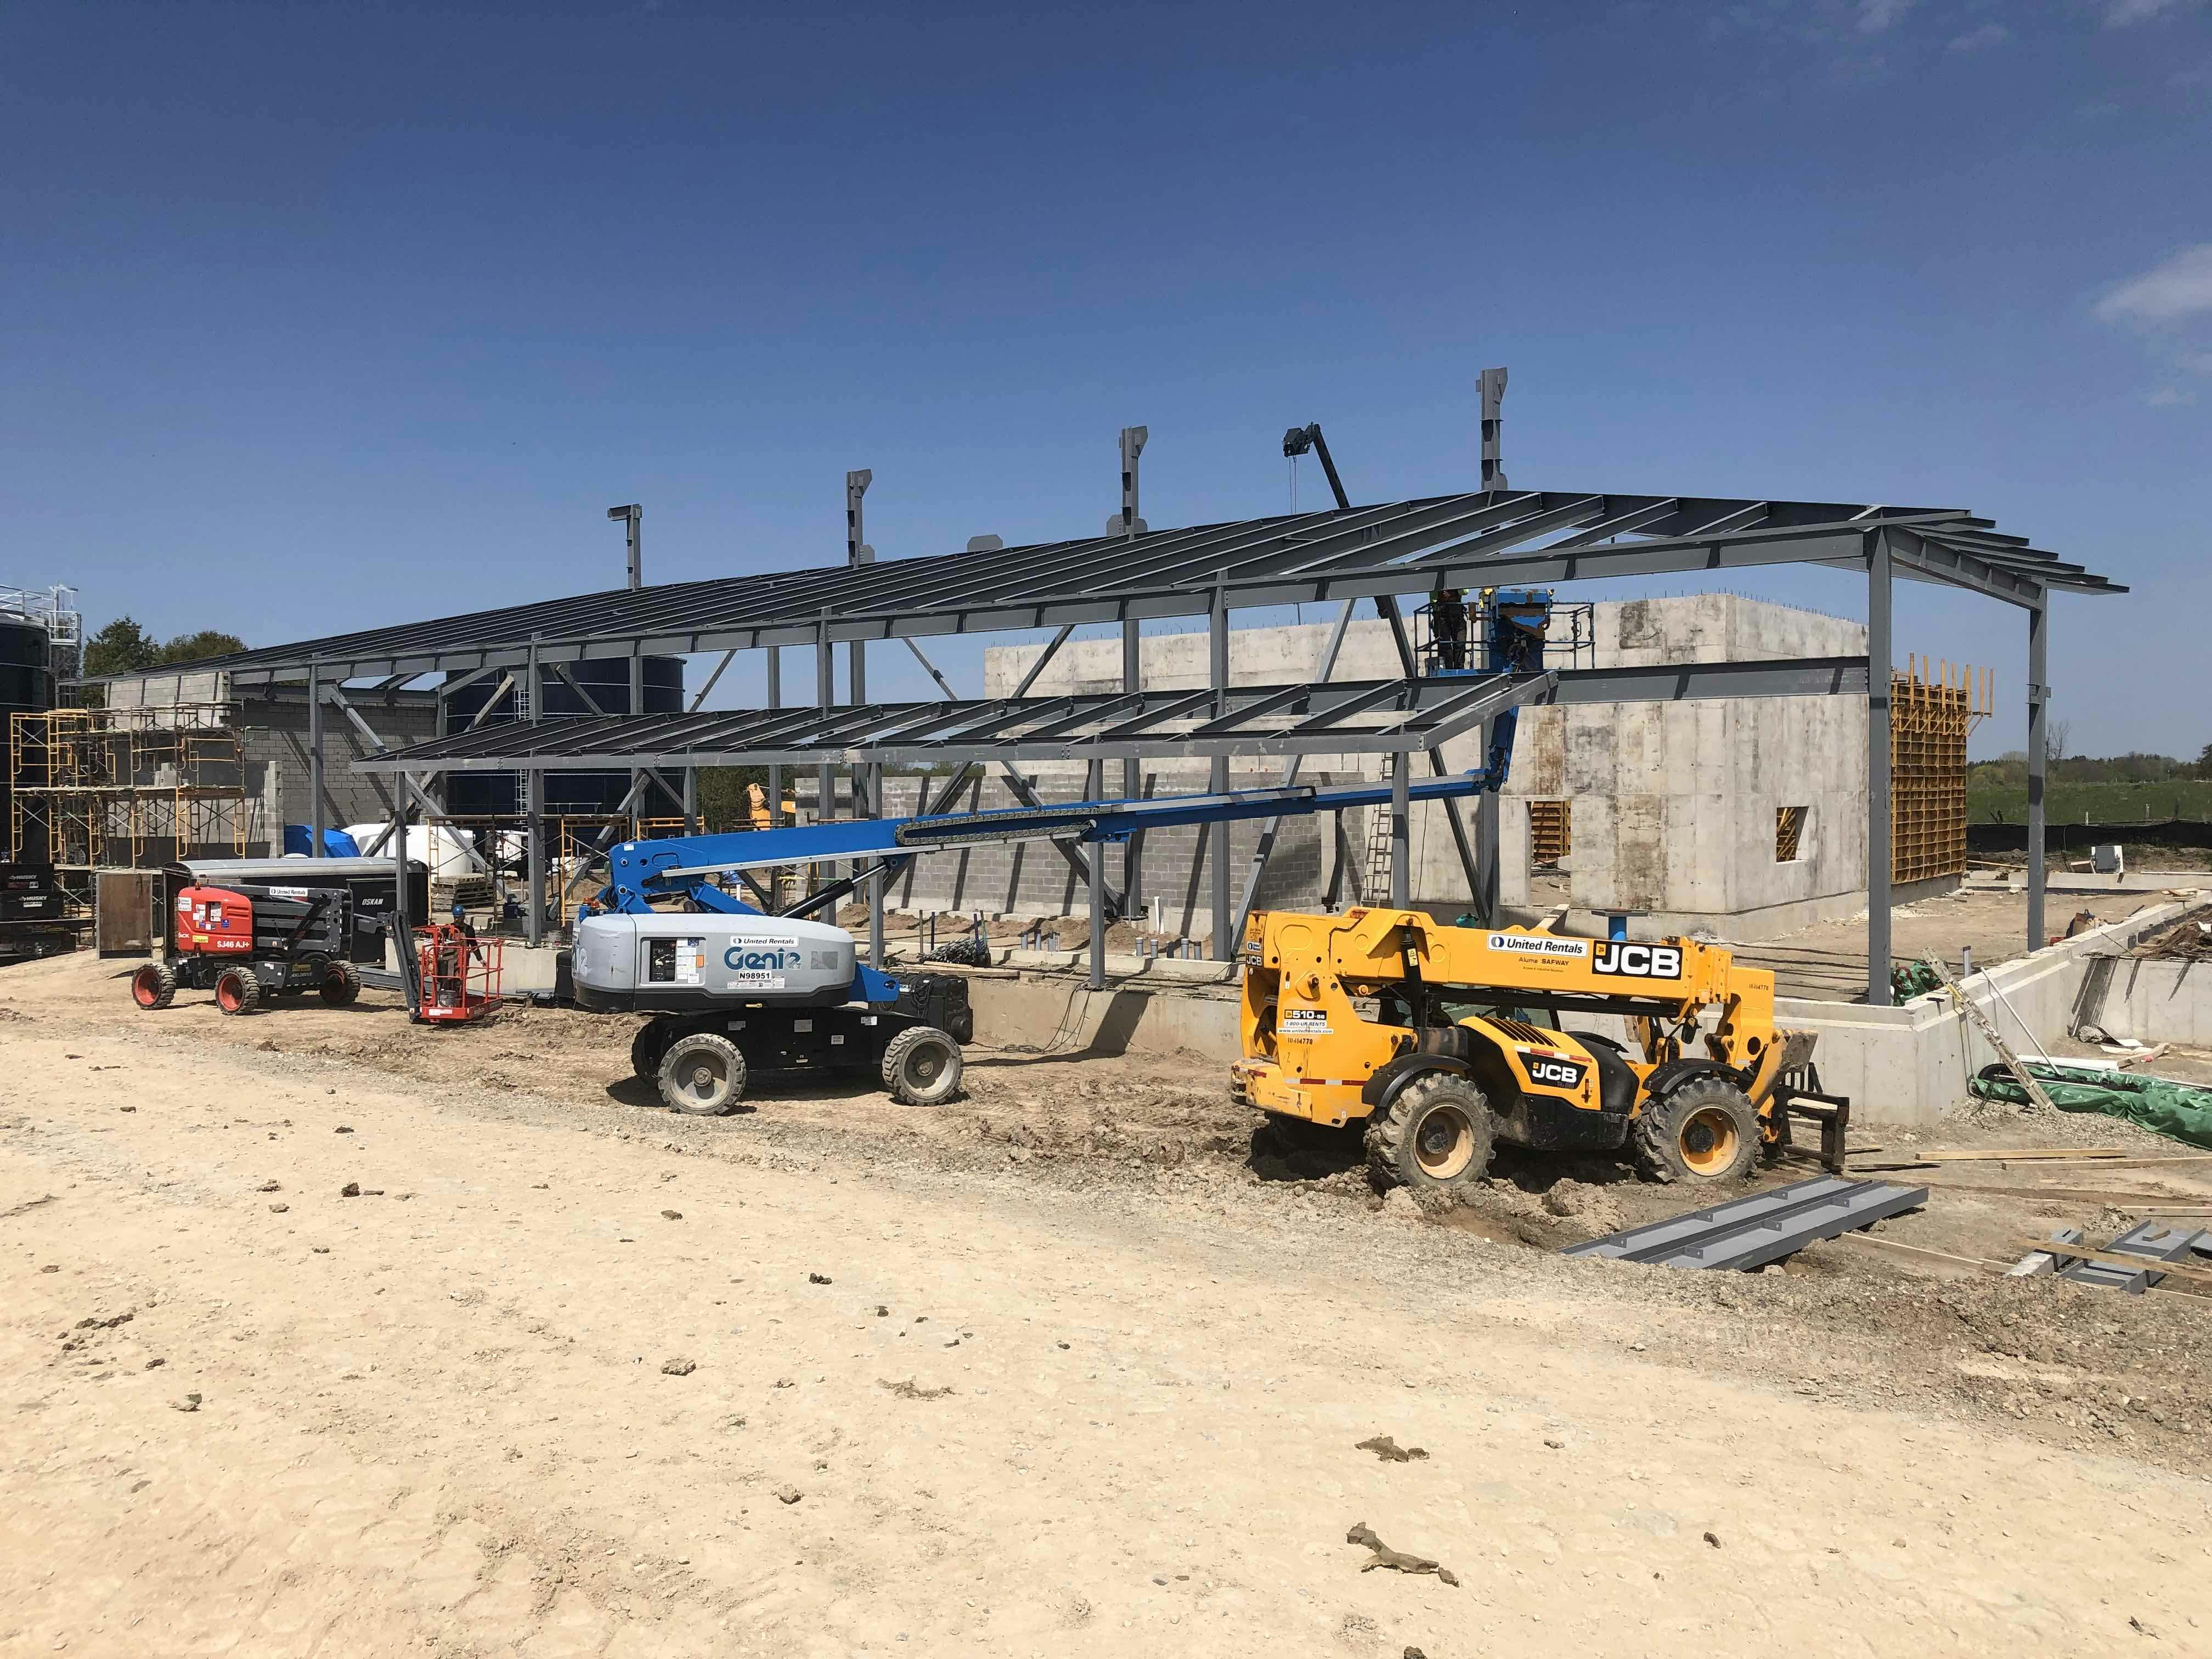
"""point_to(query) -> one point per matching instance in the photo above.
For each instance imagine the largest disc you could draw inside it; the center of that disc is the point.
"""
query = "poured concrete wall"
(1673, 804)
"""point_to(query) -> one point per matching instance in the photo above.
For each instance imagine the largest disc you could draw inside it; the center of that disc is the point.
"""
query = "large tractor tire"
(1704, 1131)
(341, 984)
(237, 991)
(154, 986)
(647, 1047)
(1433, 1138)
(922, 1066)
(703, 1074)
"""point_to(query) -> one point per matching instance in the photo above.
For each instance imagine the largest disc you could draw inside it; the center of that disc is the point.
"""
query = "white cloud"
(2198, 362)
(1875, 15)
(2118, 14)
(1980, 40)
(2167, 397)
(2177, 288)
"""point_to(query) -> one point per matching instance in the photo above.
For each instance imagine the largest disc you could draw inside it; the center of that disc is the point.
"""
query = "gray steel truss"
(1410, 547)
(1746, 1233)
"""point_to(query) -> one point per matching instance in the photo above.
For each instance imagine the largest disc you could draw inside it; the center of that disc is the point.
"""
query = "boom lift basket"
(459, 973)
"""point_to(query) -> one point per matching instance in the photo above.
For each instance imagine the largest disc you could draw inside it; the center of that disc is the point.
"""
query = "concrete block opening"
(1789, 825)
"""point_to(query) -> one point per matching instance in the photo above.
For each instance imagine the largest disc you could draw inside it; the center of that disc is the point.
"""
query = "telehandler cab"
(1441, 1040)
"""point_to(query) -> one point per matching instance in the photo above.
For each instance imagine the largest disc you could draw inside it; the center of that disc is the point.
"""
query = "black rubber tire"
(341, 984)
(1703, 1131)
(922, 1066)
(237, 991)
(647, 1047)
(154, 986)
(703, 1074)
(1434, 1138)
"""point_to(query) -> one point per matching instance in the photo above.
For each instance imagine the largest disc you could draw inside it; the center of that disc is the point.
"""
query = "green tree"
(121, 647)
(197, 647)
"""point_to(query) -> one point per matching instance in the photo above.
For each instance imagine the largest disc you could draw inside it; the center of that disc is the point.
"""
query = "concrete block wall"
(1673, 804)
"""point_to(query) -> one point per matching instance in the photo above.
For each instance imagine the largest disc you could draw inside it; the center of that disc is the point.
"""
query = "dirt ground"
(1076, 1365)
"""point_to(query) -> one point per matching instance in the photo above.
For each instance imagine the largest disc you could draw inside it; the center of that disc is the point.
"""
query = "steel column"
(776, 701)
(402, 935)
(1133, 773)
(825, 696)
(534, 806)
(1098, 873)
(1402, 840)
(1268, 831)
(1470, 868)
(315, 821)
(2038, 757)
(1879, 827)
(1217, 835)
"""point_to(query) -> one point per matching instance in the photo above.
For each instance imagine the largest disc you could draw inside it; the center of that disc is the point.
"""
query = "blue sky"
(320, 316)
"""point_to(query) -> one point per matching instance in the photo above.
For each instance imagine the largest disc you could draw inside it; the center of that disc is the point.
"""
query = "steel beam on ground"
(1879, 825)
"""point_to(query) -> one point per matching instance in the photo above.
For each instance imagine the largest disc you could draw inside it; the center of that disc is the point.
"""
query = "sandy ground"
(1063, 1370)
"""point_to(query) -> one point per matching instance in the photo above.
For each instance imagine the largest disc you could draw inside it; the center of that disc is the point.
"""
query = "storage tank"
(581, 794)
(26, 687)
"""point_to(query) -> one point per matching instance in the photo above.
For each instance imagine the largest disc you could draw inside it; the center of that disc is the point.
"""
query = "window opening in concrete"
(1551, 834)
(1789, 832)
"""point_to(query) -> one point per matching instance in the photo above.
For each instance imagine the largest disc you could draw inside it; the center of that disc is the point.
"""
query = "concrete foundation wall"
(2160, 1002)
(1905, 1065)
(1673, 804)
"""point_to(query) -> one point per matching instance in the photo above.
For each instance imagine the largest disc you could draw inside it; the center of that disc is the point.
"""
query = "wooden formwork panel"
(1932, 708)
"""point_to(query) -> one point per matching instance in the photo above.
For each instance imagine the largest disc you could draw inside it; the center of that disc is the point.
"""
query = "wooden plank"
(2118, 1198)
(1895, 1247)
(2024, 1154)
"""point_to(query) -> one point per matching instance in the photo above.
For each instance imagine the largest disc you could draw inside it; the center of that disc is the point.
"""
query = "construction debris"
(1387, 1448)
(1396, 1560)
(1749, 1233)
(2189, 940)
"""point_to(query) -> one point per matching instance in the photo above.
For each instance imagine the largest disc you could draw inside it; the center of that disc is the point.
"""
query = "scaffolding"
(1933, 707)
(94, 789)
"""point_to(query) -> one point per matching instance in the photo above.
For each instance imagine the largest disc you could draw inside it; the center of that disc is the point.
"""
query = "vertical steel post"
(402, 935)
(1096, 864)
(1489, 386)
(1133, 775)
(775, 701)
(1132, 446)
(690, 800)
(1216, 834)
(2038, 757)
(825, 696)
(315, 819)
(1401, 834)
(632, 518)
(533, 807)
(1879, 854)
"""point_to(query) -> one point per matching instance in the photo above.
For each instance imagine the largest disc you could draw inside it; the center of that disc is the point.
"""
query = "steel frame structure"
(1131, 576)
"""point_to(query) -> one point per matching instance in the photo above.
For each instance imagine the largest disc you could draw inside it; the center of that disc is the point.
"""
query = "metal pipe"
(2038, 757)
(1878, 854)
(402, 935)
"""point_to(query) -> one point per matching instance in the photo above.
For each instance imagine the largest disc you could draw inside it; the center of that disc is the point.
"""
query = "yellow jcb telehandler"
(1442, 1040)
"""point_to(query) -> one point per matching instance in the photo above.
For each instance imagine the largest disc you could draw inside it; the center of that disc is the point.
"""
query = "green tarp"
(2180, 1110)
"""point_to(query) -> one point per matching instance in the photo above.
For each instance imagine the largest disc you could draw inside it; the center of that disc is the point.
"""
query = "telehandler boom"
(1442, 1040)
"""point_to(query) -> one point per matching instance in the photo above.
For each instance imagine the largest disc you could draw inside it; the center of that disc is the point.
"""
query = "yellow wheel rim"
(1443, 1143)
(1708, 1140)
